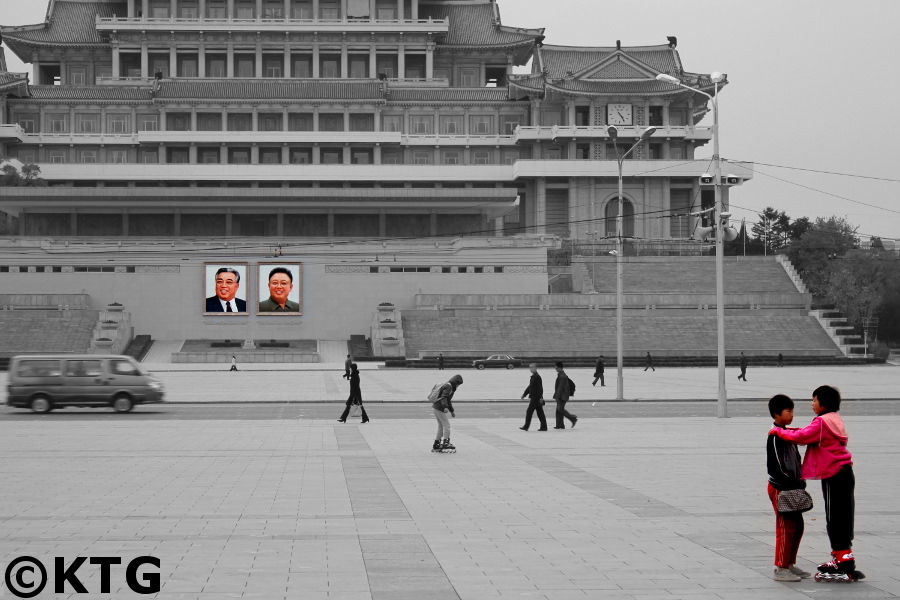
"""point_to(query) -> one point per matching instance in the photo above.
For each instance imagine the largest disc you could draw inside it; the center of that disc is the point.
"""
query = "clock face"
(618, 114)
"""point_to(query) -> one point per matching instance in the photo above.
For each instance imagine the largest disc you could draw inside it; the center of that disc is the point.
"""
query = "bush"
(880, 350)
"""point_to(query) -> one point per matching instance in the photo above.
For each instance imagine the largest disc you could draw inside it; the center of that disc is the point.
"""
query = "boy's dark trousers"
(562, 413)
(839, 508)
(535, 406)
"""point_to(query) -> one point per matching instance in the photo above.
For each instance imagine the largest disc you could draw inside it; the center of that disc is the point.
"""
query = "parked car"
(497, 360)
(45, 382)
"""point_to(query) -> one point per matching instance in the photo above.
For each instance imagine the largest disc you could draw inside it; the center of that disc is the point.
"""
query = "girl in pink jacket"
(828, 459)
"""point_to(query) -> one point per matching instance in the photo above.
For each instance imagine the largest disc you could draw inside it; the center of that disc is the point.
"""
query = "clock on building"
(618, 114)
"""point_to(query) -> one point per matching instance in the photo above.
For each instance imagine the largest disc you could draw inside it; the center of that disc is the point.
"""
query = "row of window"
(125, 123)
(274, 9)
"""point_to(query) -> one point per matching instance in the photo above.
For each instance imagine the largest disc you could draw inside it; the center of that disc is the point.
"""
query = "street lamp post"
(722, 405)
(620, 158)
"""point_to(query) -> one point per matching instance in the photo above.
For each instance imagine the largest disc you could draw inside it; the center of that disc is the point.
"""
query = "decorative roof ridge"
(654, 48)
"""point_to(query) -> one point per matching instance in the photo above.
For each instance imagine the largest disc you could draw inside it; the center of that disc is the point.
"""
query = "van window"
(39, 368)
(123, 367)
(83, 368)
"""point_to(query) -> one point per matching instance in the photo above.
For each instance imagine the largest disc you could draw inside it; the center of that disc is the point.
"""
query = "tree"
(30, 176)
(825, 240)
(772, 229)
(798, 227)
(856, 284)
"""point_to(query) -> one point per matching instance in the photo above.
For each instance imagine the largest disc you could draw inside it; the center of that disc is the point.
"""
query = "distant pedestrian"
(440, 362)
(648, 362)
(535, 394)
(233, 363)
(743, 374)
(347, 365)
(442, 405)
(355, 397)
(561, 394)
(598, 372)
(780, 359)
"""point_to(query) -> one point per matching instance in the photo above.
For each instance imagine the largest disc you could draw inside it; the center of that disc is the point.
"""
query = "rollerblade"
(448, 447)
(840, 569)
(437, 446)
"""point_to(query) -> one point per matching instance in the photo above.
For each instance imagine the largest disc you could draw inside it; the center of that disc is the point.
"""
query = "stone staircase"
(838, 328)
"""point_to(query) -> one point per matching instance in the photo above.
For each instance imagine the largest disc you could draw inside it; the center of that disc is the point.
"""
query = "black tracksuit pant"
(839, 508)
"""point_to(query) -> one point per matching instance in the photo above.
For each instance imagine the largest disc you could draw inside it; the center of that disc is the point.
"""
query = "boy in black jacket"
(535, 394)
(783, 464)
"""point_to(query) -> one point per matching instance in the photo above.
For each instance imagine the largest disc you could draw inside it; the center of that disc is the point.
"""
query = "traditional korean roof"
(499, 94)
(286, 90)
(14, 83)
(479, 26)
(618, 71)
(94, 93)
(68, 23)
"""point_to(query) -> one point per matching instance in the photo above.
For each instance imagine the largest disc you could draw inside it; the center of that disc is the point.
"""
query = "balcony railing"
(265, 24)
(573, 132)
(293, 137)
(11, 132)
(441, 139)
(79, 138)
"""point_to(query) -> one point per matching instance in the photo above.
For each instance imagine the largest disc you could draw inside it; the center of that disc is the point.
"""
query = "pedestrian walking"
(562, 392)
(440, 362)
(783, 465)
(598, 372)
(347, 365)
(828, 459)
(535, 394)
(233, 363)
(442, 404)
(648, 362)
(743, 374)
(355, 397)
(780, 359)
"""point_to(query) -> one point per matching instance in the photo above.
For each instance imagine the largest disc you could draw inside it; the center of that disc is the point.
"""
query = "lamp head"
(647, 133)
(668, 78)
(612, 131)
(716, 77)
(725, 215)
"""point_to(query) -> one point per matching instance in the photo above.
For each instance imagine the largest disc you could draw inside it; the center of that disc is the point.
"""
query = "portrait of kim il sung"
(224, 289)
(280, 289)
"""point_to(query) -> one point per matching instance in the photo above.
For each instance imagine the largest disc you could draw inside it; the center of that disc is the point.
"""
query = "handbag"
(794, 501)
(354, 409)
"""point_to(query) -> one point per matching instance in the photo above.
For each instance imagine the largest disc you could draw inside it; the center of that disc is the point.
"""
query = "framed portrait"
(280, 289)
(225, 289)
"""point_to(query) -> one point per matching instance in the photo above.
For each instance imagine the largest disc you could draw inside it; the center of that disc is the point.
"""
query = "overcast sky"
(813, 85)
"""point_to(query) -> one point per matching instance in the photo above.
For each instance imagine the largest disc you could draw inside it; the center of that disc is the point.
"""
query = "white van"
(45, 382)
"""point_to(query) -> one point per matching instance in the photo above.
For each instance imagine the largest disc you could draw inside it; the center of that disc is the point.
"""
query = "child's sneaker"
(783, 574)
(799, 572)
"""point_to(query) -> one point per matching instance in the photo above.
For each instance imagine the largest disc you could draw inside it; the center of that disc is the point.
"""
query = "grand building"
(175, 133)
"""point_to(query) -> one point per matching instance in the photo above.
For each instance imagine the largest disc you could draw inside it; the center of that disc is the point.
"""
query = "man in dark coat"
(561, 395)
(535, 394)
(743, 374)
(598, 373)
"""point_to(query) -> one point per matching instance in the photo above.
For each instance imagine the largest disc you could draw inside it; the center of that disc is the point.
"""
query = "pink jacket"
(826, 439)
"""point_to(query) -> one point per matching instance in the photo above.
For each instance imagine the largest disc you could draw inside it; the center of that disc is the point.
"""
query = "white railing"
(11, 131)
(552, 132)
(113, 22)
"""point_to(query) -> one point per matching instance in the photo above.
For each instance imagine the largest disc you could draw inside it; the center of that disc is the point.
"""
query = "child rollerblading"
(828, 459)
(442, 405)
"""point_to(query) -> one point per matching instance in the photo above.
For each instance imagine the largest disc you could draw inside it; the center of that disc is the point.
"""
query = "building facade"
(283, 122)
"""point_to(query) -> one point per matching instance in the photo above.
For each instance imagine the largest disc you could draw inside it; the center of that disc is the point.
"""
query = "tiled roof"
(558, 61)
(11, 80)
(70, 23)
(59, 92)
(278, 89)
(498, 94)
(474, 25)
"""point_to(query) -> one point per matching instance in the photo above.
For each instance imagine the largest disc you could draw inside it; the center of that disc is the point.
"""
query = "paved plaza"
(309, 509)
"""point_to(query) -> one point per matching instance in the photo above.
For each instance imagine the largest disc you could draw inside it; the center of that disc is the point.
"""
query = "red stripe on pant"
(788, 532)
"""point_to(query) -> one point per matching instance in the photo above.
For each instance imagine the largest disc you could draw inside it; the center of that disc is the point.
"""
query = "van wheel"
(41, 404)
(122, 403)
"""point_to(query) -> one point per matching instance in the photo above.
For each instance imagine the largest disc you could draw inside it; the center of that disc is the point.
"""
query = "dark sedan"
(497, 360)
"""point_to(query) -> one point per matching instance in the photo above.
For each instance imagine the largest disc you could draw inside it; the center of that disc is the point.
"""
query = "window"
(508, 124)
(216, 65)
(331, 122)
(387, 13)
(159, 63)
(330, 67)
(359, 67)
(83, 368)
(239, 156)
(208, 156)
(149, 157)
(362, 122)
(244, 9)
(423, 157)
(421, 124)
(415, 66)
(188, 9)
(300, 122)
(510, 156)
(655, 151)
(87, 157)
(469, 77)
(28, 123)
(118, 157)
(77, 76)
(57, 157)
(391, 156)
(451, 157)
(178, 156)
(301, 156)
(481, 157)
(552, 153)
(58, 123)
(270, 122)
(329, 10)
(187, 66)
(302, 66)
(273, 9)
(216, 9)
(104, 71)
(677, 151)
(178, 122)
(302, 9)
(148, 122)
(678, 117)
(481, 125)
(392, 123)
(270, 156)
(240, 122)
(273, 66)
(39, 368)
(387, 66)
(332, 156)
(118, 124)
(452, 124)
(124, 367)
(27, 156)
(361, 156)
(87, 123)
(244, 65)
(209, 122)
(656, 116)
(159, 9)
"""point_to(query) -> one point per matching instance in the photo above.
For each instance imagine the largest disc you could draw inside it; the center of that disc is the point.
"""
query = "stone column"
(540, 208)
(344, 61)
(401, 61)
(400, 11)
(258, 68)
(230, 10)
(131, 9)
(173, 9)
(373, 61)
(229, 60)
(429, 61)
(145, 62)
(259, 9)
(201, 60)
(145, 8)
(173, 62)
(286, 72)
(315, 62)
(116, 64)
(202, 10)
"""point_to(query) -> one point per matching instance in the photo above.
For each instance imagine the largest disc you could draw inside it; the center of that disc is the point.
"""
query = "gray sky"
(812, 86)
